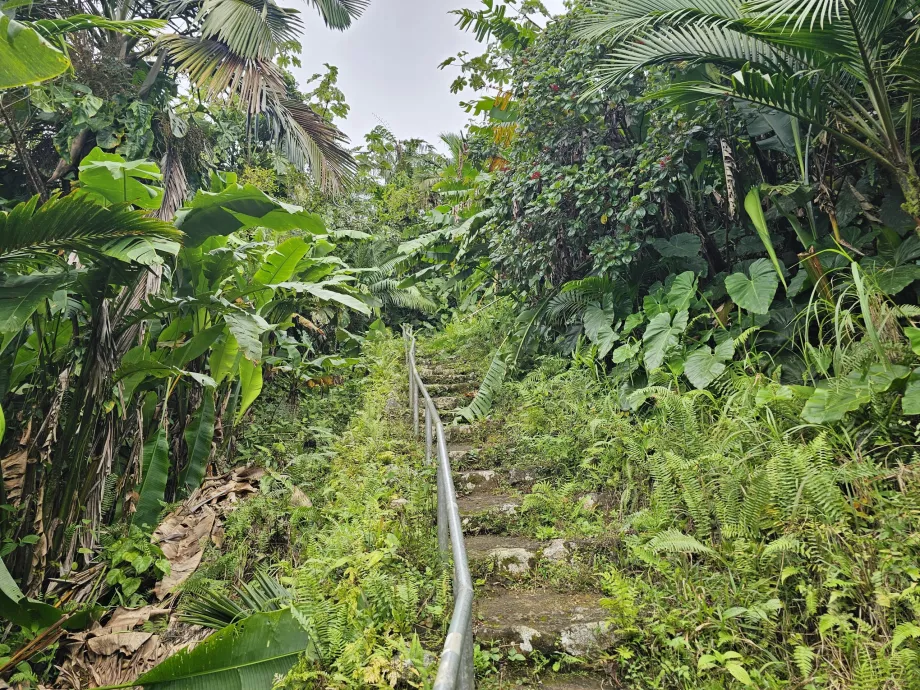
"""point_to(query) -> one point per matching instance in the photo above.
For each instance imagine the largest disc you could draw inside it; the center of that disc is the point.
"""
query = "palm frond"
(250, 28)
(32, 234)
(494, 378)
(310, 140)
(614, 19)
(214, 67)
(695, 43)
(338, 14)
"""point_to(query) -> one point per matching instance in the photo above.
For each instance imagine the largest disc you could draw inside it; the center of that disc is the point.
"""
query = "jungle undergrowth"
(735, 546)
(359, 556)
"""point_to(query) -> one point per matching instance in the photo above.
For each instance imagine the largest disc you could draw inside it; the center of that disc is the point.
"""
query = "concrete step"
(480, 504)
(513, 557)
(461, 388)
(574, 682)
(465, 482)
(459, 432)
(447, 403)
(541, 620)
(442, 376)
(458, 452)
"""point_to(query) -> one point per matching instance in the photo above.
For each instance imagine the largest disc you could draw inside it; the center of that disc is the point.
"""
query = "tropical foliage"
(678, 242)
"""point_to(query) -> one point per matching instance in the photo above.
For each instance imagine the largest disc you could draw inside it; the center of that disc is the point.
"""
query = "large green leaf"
(755, 211)
(153, 483)
(279, 267)
(284, 220)
(212, 213)
(154, 368)
(20, 610)
(250, 385)
(755, 293)
(599, 329)
(20, 296)
(661, 335)
(834, 398)
(2, 425)
(705, 365)
(26, 57)
(110, 179)
(247, 328)
(197, 345)
(247, 655)
(224, 356)
(198, 437)
(326, 295)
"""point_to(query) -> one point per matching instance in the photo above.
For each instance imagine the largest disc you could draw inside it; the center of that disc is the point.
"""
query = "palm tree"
(229, 50)
(845, 67)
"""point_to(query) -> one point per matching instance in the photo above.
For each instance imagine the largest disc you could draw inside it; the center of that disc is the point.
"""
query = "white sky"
(388, 65)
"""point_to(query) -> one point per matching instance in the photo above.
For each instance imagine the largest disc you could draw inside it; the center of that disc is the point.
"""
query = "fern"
(804, 660)
(783, 545)
(673, 541)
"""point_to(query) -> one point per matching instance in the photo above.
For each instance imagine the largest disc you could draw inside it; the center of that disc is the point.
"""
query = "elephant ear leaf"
(153, 483)
(26, 57)
(755, 293)
(247, 654)
(20, 610)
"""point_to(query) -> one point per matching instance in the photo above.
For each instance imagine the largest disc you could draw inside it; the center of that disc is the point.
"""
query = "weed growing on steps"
(736, 547)
(361, 559)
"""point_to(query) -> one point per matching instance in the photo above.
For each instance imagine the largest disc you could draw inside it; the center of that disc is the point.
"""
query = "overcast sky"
(388, 65)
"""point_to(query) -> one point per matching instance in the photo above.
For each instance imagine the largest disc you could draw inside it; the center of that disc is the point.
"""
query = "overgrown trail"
(512, 617)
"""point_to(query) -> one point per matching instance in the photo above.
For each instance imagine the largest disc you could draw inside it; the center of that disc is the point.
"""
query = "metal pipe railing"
(455, 671)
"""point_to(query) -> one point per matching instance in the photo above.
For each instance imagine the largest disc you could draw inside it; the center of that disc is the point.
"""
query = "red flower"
(554, 87)
(536, 175)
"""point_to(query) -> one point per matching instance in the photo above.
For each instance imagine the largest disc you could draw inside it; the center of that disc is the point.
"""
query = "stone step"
(466, 482)
(514, 557)
(478, 504)
(457, 452)
(447, 388)
(541, 621)
(459, 432)
(442, 376)
(448, 403)
(574, 682)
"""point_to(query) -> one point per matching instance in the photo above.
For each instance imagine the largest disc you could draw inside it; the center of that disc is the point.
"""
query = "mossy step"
(574, 682)
(442, 376)
(480, 503)
(541, 621)
(458, 452)
(513, 557)
(461, 388)
(459, 432)
(476, 479)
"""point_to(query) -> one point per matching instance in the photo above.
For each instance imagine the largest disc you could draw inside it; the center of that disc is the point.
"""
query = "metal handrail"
(455, 671)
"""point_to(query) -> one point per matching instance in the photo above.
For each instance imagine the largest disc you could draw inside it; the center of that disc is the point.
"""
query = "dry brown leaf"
(299, 499)
(182, 538)
(126, 642)
(14, 472)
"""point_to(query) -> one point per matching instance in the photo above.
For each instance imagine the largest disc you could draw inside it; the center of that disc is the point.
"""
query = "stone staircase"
(510, 610)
